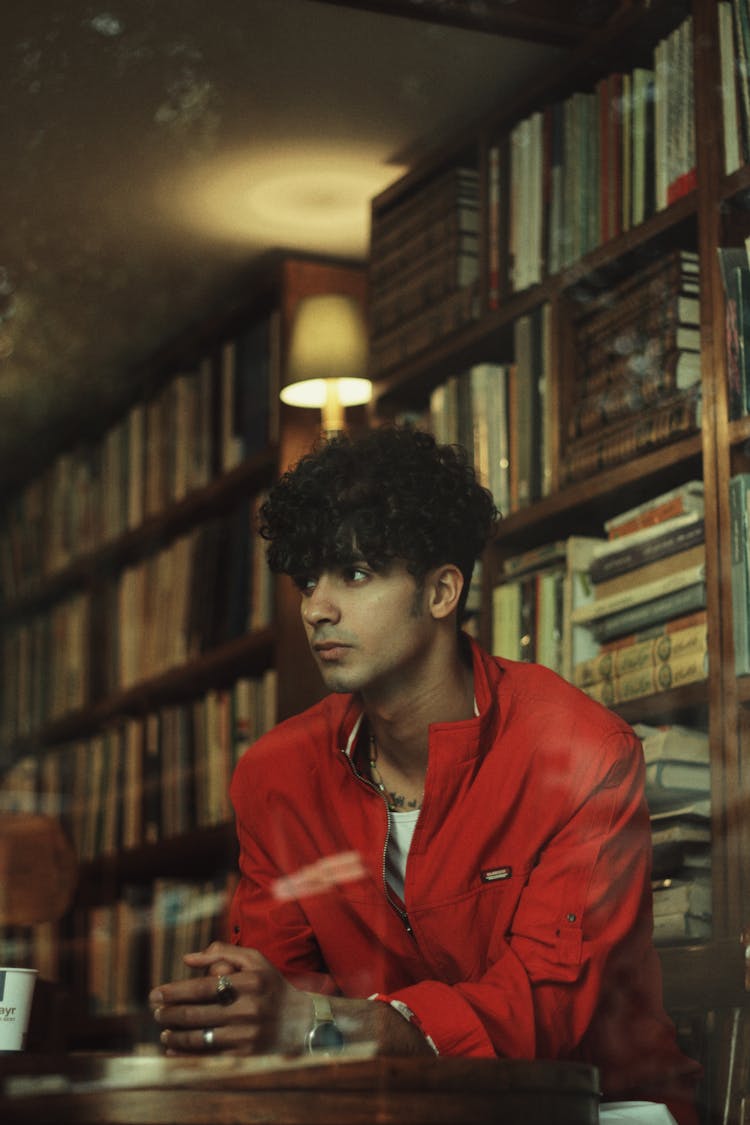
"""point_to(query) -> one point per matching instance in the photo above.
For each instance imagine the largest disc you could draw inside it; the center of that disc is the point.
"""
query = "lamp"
(38, 870)
(327, 356)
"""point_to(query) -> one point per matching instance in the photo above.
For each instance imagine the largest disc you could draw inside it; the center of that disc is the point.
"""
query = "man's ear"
(444, 585)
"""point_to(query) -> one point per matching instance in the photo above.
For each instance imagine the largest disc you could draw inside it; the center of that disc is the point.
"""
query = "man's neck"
(400, 719)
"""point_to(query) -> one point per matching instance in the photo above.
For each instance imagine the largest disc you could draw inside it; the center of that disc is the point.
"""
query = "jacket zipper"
(370, 785)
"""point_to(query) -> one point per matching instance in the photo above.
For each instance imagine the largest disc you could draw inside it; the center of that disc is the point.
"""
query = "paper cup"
(16, 992)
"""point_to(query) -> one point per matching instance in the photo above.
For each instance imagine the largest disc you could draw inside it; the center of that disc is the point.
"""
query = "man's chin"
(337, 680)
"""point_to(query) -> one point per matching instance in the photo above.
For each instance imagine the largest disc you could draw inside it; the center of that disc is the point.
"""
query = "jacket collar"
(461, 739)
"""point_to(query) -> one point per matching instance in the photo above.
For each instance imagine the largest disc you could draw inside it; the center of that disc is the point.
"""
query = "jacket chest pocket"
(462, 936)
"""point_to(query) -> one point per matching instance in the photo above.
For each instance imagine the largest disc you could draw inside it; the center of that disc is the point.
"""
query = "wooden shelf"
(681, 704)
(199, 852)
(588, 503)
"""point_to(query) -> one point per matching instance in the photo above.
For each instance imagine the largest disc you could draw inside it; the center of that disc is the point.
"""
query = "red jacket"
(527, 924)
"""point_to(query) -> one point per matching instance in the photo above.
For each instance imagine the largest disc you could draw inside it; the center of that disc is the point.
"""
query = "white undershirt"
(402, 825)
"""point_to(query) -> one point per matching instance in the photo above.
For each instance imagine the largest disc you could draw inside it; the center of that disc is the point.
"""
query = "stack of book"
(424, 267)
(638, 367)
(647, 619)
(532, 605)
(678, 787)
(578, 172)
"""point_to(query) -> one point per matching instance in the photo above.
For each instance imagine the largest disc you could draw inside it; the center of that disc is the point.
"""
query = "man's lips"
(329, 650)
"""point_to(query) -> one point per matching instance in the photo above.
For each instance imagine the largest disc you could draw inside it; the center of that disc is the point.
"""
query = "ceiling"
(152, 149)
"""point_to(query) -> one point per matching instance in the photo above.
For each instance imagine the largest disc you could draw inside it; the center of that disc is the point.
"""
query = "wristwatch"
(324, 1035)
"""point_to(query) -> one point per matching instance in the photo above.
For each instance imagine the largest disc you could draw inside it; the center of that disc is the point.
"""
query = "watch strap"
(324, 1035)
(322, 1010)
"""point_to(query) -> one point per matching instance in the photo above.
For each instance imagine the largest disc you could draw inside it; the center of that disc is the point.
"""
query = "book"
(683, 498)
(627, 382)
(729, 95)
(671, 782)
(682, 896)
(680, 926)
(532, 606)
(651, 571)
(739, 498)
(677, 838)
(642, 141)
(665, 675)
(528, 376)
(661, 628)
(680, 113)
(741, 27)
(677, 603)
(742, 287)
(638, 595)
(673, 741)
(638, 548)
(493, 232)
(732, 259)
(631, 656)
(677, 416)
(696, 811)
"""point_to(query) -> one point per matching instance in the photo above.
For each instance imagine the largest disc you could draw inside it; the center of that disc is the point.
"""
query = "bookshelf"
(181, 638)
(698, 209)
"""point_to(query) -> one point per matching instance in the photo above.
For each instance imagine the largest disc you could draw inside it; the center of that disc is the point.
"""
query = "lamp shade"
(327, 354)
(38, 870)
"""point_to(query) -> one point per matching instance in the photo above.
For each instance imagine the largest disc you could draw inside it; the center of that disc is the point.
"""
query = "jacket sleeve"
(278, 927)
(579, 939)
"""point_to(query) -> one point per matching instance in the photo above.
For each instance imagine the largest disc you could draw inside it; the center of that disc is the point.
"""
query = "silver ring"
(208, 1037)
(225, 991)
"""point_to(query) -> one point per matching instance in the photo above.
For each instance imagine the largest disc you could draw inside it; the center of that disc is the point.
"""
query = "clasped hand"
(265, 1012)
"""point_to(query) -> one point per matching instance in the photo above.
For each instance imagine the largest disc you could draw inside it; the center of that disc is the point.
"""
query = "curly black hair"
(392, 493)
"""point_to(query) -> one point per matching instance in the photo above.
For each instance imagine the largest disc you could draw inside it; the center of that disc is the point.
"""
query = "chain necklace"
(392, 800)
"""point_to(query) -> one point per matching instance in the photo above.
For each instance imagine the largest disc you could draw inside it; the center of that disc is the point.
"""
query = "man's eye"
(357, 574)
(306, 584)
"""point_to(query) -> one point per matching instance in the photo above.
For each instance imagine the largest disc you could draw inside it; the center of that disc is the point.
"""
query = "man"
(498, 901)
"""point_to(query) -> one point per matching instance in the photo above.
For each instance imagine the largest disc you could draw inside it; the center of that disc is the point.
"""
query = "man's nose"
(320, 605)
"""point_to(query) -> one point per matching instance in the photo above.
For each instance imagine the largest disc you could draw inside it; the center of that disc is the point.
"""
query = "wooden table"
(97, 1089)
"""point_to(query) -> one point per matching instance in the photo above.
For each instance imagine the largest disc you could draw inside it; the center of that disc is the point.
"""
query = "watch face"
(325, 1037)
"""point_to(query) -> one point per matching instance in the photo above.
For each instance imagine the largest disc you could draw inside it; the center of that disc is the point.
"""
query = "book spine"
(688, 668)
(739, 492)
(675, 604)
(626, 439)
(652, 571)
(698, 619)
(637, 555)
(648, 653)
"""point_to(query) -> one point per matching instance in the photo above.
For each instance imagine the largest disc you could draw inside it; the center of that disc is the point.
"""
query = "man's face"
(367, 630)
